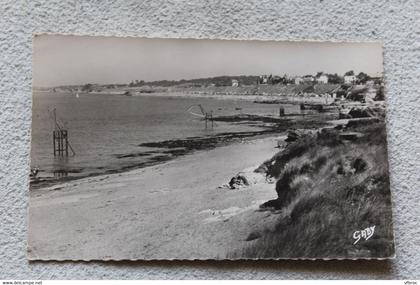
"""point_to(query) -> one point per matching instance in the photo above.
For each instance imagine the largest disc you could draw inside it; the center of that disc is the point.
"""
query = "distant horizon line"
(195, 78)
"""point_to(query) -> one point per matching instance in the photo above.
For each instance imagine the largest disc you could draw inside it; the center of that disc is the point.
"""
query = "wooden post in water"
(61, 144)
(282, 111)
(208, 117)
(302, 106)
(54, 143)
(67, 144)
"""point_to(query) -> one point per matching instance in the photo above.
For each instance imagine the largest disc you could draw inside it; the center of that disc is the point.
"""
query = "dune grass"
(328, 188)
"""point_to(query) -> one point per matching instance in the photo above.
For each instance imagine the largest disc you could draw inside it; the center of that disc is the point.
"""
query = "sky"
(74, 60)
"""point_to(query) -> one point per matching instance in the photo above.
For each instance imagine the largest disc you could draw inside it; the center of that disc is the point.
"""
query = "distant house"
(323, 78)
(235, 83)
(298, 80)
(350, 79)
(263, 79)
(308, 78)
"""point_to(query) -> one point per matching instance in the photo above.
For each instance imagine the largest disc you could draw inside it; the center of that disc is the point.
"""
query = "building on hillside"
(308, 79)
(235, 83)
(323, 78)
(263, 79)
(298, 80)
(350, 79)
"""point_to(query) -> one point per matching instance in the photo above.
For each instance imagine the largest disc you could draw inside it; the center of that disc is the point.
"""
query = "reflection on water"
(60, 164)
(60, 174)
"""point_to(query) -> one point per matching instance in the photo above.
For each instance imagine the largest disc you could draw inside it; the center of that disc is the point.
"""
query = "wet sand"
(174, 210)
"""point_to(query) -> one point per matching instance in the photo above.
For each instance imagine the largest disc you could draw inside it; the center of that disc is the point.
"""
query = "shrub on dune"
(327, 189)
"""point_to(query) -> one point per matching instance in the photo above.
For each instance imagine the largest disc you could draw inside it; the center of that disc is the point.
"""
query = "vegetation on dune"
(328, 188)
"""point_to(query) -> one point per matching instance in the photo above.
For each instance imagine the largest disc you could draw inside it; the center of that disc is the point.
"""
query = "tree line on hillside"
(333, 78)
(216, 81)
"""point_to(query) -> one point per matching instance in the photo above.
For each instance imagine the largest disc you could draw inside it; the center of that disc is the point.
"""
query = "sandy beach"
(186, 150)
(139, 215)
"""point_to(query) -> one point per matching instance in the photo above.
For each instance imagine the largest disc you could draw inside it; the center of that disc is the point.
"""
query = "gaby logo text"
(365, 234)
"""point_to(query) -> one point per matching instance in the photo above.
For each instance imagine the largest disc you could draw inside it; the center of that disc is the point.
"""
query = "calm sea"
(103, 128)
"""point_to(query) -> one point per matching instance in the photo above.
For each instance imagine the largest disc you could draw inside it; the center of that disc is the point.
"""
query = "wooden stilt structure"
(282, 111)
(209, 117)
(206, 116)
(61, 143)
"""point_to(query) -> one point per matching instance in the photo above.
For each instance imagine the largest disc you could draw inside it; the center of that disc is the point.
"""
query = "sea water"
(103, 128)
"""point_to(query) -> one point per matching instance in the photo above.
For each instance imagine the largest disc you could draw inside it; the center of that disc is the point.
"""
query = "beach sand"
(175, 210)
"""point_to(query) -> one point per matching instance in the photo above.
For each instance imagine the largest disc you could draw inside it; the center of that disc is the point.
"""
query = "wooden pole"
(281, 111)
(55, 134)
(302, 106)
(67, 144)
(54, 143)
(55, 120)
(59, 143)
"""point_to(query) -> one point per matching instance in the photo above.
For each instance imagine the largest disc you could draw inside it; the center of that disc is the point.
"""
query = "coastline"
(113, 216)
(83, 218)
(164, 151)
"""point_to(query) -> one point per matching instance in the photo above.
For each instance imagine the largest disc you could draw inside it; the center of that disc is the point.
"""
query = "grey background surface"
(396, 23)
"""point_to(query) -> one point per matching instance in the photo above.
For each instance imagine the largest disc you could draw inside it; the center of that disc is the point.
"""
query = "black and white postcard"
(147, 148)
